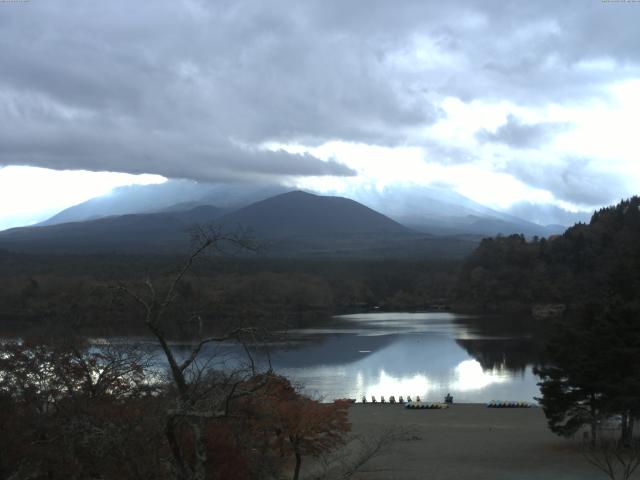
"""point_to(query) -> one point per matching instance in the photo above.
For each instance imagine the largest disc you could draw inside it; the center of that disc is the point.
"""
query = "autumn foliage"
(70, 411)
(294, 425)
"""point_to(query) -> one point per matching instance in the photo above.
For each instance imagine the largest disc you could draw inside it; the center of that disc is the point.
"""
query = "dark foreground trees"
(294, 424)
(67, 411)
(594, 371)
(74, 411)
(77, 411)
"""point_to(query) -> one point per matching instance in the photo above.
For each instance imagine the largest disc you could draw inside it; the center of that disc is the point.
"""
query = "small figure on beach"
(448, 399)
(392, 399)
(373, 399)
(364, 399)
(381, 399)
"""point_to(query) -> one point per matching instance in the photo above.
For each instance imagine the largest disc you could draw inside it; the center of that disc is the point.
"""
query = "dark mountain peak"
(300, 213)
(296, 194)
(200, 213)
(312, 219)
(299, 195)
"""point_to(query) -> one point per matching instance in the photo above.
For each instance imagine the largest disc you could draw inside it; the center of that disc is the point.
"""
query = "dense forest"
(59, 291)
(600, 259)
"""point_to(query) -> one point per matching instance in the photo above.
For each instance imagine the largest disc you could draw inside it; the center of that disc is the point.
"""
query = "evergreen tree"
(571, 385)
(596, 260)
(619, 333)
(593, 371)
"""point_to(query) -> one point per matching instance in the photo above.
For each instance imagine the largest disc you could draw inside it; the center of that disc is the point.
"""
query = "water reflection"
(415, 354)
(386, 385)
(426, 354)
(512, 354)
(471, 376)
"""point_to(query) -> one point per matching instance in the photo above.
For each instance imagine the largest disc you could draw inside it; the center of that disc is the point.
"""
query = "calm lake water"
(425, 354)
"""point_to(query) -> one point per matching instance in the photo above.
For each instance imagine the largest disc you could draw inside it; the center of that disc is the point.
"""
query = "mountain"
(308, 225)
(297, 215)
(135, 233)
(173, 195)
(131, 199)
(295, 224)
(441, 211)
(419, 202)
(435, 210)
(506, 226)
(480, 225)
(304, 214)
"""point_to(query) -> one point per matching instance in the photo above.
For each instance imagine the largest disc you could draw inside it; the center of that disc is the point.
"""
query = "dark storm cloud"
(174, 154)
(191, 89)
(516, 134)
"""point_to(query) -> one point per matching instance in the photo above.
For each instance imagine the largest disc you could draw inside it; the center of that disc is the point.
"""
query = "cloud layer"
(195, 89)
(517, 134)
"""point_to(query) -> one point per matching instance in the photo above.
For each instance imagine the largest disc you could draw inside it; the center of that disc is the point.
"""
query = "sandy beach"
(470, 441)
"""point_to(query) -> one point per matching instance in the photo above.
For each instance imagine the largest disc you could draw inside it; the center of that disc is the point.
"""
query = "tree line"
(62, 292)
(596, 260)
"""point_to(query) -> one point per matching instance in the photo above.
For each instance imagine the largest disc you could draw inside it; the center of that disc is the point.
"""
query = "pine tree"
(593, 371)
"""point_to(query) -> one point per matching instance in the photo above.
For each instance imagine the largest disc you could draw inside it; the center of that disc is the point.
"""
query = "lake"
(416, 354)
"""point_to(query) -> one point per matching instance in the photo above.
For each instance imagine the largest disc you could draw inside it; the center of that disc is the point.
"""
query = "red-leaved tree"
(295, 425)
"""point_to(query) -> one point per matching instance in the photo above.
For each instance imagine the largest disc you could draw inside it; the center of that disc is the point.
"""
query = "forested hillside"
(600, 259)
(78, 290)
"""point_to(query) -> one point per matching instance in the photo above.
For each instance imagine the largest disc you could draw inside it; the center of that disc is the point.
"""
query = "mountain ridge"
(293, 222)
(314, 214)
(434, 210)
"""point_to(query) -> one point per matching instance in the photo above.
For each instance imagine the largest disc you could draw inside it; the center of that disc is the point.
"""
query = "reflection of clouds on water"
(469, 375)
(409, 354)
(387, 385)
(426, 354)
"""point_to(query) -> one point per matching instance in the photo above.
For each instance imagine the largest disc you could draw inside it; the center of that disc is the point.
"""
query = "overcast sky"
(508, 103)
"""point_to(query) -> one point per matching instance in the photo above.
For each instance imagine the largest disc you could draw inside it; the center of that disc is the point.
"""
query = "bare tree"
(615, 459)
(201, 395)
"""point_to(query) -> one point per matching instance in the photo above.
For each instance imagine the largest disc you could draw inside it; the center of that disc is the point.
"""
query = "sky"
(520, 106)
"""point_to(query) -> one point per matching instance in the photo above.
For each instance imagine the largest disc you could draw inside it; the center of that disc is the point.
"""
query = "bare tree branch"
(200, 397)
(613, 458)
